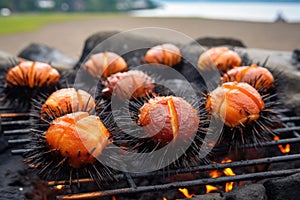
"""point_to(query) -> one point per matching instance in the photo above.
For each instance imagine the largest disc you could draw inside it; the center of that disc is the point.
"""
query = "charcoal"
(91, 42)
(213, 42)
(296, 58)
(210, 196)
(11, 193)
(3, 144)
(7, 60)
(120, 44)
(43, 53)
(296, 55)
(286, 188)
(248, 192)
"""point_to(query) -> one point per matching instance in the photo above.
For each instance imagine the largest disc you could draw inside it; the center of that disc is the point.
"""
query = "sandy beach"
(69, 36)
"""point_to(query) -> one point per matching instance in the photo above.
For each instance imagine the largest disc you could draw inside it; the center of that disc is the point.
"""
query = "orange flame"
(229, 185)
(210, 188)
(113, 198)
(228, 172)
(165, 198)
(285, 149)
(214, 174)
(185, 192)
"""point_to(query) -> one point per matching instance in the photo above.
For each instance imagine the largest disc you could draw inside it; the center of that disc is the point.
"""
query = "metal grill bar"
(133, 188)
(130, 181)
(16, 123)
(205, 181)
(265, 144)
(216, 149)
(235, 164)
(17, 132)
(3, 108)
(19, 151)
(288, 129)
(289, 119)
(19, 141)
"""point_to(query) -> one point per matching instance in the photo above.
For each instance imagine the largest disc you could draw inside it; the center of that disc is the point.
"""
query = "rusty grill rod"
(235, 164)
(12, 115)
(173, 185)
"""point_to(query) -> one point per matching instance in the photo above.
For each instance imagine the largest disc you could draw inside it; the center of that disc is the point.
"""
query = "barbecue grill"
(16, 128)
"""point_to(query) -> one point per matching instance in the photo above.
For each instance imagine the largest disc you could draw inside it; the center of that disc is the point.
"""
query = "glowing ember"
(113, 198)
(58, 187)
(185, 192)
(210, 188)
(165, 198)
(283, 149)
(226, 160)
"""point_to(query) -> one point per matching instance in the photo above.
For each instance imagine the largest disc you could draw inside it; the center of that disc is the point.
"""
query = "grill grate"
(15, 126)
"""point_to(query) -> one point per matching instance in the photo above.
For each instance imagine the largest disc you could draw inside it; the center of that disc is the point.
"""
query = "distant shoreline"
(224, 1)
(69, 37)
(258, 11)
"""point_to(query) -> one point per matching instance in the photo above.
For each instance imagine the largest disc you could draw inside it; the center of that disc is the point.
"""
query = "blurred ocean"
(255, 10)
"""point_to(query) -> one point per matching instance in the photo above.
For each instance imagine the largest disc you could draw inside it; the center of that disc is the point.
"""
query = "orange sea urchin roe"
(129, 84)
(67, 100)
(167, 54)
(32, 74)
(104, 64)
(220, 57)
(79, 136)
(236, 103)
(168, 118)
(258, 77)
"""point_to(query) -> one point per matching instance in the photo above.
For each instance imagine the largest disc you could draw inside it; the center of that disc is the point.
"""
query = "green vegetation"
(76, 5)
(21, 23)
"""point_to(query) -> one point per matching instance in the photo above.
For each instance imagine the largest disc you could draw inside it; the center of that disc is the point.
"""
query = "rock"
(7, 60)
(248, 192)
(92, 41)
(213, 42)
(296, 55)
(43, 53)
(133, 47)
(286, 188)
(296, 58)
(128, 45)
(192, 52)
